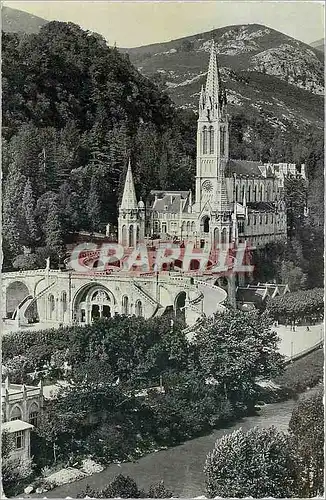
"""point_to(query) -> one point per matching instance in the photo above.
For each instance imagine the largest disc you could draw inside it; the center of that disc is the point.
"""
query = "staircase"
(157, 306)
(29, 301)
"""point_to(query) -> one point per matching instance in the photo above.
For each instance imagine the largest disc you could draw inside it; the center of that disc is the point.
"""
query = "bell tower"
(212, 140)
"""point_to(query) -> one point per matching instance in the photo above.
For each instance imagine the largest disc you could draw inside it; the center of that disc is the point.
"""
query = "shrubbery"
(125, 487)
(296, 306)
(258, 463)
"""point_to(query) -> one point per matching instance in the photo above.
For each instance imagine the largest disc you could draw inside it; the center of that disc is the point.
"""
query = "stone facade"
(235, 201)
(21, 407)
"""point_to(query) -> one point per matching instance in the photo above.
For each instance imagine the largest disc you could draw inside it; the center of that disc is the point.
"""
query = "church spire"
(213, 78)
(129, 200)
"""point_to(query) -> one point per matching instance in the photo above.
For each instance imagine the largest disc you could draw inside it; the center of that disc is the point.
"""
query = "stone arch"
(125, 305)
(85, 299)
(179, 305)
(16, 413)
(124, 235)
(205, 224)
(139, 308)
(16, 293)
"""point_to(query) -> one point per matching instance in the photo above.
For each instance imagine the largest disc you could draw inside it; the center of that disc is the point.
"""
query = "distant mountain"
(265, 72)
(319, 45)
(17, 21)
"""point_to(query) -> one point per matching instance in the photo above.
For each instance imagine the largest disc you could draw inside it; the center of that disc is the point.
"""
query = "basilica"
(235, 201)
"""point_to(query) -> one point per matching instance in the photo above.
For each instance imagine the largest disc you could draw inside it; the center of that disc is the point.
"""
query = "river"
(180, 467)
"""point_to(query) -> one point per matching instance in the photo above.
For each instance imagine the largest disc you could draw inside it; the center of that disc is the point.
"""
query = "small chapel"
(235, 201)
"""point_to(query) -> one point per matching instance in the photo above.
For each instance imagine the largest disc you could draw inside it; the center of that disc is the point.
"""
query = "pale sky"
(135, 23)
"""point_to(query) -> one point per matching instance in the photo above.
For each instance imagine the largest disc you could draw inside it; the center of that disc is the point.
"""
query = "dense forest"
(75, 109)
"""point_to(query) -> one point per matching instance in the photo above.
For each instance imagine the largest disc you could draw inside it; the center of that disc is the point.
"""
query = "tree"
(93, 206)
(13, 469)
(307, 429)
(13, 219)
(258, 463)
(28, 206)
(236, 348)
(293, 276)
(53, 227)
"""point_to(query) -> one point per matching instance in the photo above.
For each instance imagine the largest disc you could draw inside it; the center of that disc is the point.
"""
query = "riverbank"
(180, 467)
(298, 376)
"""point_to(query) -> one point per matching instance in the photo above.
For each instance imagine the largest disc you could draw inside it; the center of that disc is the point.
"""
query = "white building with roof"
(235, 200)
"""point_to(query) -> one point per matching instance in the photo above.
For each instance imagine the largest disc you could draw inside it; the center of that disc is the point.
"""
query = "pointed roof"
(213, 80)
(129, 200)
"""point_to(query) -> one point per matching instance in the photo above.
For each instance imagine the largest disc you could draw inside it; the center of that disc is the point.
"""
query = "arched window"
(255, 193)
(255, 219)
(242, 193)
(260, 219)
(205, 224)
(137, 237)
(33, 414)
(138, 308)
(223, 236)
(124, 235)
(211, 140)
(216, 237)
(205, 140)
(261, 194)
(51, 305)
(131, 236)
(266, 219)
(125, 305)
(188, 227)
(237, 193)
(64, 301)
(222, 141)
(16, 413)
(249, 193)
(193, 227)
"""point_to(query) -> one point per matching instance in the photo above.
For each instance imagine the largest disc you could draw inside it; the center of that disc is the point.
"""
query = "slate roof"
(262, 206)
(246, 168)
(169, 201)
(250, 295)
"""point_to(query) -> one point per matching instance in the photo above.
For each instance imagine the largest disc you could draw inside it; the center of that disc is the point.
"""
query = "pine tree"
(93, 206)
(53, 227)
(13, 220)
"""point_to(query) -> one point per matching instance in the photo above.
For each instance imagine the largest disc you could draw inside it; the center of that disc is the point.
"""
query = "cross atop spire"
(129, 200)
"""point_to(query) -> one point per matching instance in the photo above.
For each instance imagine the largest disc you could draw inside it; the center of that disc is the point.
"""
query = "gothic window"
(188, 227)
(193, 227)
(131, 235)
(261, 197)
(211, 140)
(222, 146)
(205, 224)
(223, 236)
(124, 235)
(260, 219)
(33, 414)
(249, 193)
(138, 308)
(237, 193)
(16, 413)
(137, 231)
(242, 193)
(216, 237)
(266, 219)
(249, 221)
(255, 219)
(205, 140)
